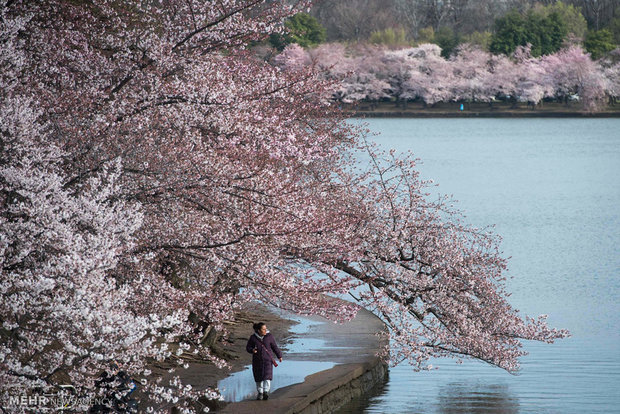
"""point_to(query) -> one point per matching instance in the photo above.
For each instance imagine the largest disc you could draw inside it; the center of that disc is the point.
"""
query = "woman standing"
(262, 346)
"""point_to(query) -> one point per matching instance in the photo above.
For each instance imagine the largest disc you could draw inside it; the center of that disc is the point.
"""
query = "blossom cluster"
(373, 73)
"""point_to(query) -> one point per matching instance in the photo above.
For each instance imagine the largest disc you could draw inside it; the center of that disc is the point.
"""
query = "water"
(241, 386)
(552, 188)
(299, 349)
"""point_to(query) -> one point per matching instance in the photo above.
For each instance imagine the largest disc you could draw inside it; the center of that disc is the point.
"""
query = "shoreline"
(438, 114)
(352, 346)
(474, 110)
(202, 374)
(350, 349)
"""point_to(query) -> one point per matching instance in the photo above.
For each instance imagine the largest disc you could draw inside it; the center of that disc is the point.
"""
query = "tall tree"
(354, 20)
(438, 11)
(510, 32)
(575, 22)
(302, 29)
(410, 16)
(572, 72)
(598, 13)
(599, 42)
(544, 32)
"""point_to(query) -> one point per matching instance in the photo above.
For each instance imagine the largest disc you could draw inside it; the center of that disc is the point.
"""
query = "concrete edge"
(351, 381)
(321, 393)
(326, 391)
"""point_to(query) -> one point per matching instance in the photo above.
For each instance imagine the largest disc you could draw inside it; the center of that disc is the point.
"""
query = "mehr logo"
(39, 401)
(65, 399)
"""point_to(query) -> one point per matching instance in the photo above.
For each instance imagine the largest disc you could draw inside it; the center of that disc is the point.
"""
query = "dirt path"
(203, 375)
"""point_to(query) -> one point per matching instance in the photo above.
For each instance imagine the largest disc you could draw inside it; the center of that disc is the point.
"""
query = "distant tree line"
(347, 20)
(498, 26)
(433, 51)
(375, 73)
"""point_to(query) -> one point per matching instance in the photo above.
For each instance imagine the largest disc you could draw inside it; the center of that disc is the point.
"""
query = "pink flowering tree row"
(372, 73)
(155, 175)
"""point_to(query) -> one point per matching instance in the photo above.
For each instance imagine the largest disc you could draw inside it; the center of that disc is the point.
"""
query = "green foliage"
(303, 29)
(426, 35)
(545, 32)
(389, 37)
(482, 39)
(571, 16)
(447, 40)
(599, 42)
(278, 41)
(510, 32)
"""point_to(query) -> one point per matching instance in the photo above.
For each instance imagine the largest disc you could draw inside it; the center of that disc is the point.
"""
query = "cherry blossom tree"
(531, 83)
(571, 71)
(373, 74)
(612, 76)
(335, 64)
(432, 280)
(502, 77)
(57, 248)
(431, 77)
(359, 71)
(67, 307)
(471, 68)
(170, 175)
(293, 57)
(369, 79)
(397, 73)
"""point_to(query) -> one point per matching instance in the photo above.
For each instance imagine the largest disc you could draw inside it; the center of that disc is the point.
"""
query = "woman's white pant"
(263, 386)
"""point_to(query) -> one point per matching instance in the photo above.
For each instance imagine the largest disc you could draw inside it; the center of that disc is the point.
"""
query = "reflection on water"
(292, 370)
(357, 405)
(240, 385)
(555, 379)
(453, 398)
(466, 398)
(552, 188)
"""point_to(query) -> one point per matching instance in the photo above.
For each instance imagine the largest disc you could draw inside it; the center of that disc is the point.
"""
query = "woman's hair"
(257, 326)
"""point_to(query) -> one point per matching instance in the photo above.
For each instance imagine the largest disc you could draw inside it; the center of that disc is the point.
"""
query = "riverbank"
(337, 363)
(351, 346)
(203, 375)
(476, 110)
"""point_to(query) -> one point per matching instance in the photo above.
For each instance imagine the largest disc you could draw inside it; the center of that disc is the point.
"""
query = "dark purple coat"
(262, 367)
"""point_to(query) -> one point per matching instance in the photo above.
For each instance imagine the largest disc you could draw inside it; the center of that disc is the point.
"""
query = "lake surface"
(552, 188)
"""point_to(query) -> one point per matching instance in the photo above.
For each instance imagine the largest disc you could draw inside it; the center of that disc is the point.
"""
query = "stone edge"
(321, 393)
(329, 397)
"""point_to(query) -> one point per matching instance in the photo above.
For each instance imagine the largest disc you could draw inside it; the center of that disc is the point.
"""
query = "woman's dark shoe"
(265, 396)
(260, 396)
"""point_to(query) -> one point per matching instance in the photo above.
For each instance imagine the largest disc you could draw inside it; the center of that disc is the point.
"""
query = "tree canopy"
(599, 42)
(302, 29)
(575, 23)
(470, 74)
(547, 25)
(544, 32)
